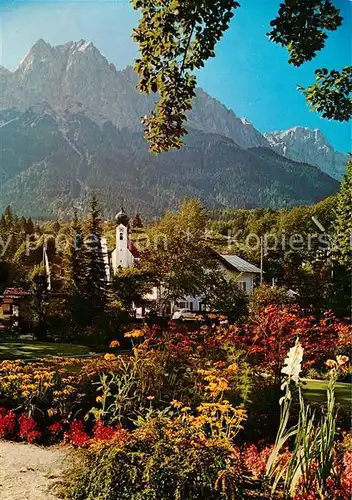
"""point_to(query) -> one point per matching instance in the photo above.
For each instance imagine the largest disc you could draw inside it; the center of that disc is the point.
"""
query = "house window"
(182, 305)
(190, 306)
(243, 285)
(7, 309)
(121, 236)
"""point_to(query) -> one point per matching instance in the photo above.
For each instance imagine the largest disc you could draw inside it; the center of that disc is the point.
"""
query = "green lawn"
(315, 392)
(14, 349)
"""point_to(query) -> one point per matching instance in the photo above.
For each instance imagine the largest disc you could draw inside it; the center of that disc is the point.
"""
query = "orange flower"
(135, 334)
(114, 343)
(176, 404)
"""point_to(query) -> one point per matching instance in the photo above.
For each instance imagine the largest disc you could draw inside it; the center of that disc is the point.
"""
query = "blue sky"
(249, 74)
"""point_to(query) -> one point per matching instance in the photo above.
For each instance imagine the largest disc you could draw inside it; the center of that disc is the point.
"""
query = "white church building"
(125, 255)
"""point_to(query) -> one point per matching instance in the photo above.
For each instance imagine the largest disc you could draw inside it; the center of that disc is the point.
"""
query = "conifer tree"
(9, 218)
(95, 272)
(29, 226)
(342, 249)
(338, 292)
(39, 295)
(137, 222)
(74, 262)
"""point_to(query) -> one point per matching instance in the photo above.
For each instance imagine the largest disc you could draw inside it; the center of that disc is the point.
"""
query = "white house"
(125, 255)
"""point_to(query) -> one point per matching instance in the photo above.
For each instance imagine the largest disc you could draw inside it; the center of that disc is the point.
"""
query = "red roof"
(15, 292)
(132, 249)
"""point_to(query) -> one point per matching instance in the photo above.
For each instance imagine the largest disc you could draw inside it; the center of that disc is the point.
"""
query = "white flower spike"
(292, 367)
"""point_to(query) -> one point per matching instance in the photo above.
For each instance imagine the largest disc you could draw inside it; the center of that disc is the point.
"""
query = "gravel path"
(27, 472)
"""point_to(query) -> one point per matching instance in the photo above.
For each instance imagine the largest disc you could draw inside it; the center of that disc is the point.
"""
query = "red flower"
(56, 429)
(77, 434)
(28, 430)
(8, 422)
(103, 432)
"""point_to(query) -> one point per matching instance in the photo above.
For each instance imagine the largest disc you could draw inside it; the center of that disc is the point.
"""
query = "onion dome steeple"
(122, 218)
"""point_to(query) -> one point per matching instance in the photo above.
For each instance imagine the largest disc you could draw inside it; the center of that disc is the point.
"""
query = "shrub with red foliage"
(254, 459)
(346, 475)
(8, 421)
(271, 332)
(28, 429)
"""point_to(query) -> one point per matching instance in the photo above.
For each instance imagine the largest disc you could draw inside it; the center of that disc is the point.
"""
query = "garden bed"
(189, 415)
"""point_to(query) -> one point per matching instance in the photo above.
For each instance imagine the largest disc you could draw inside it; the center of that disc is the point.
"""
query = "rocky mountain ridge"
(70, 125)
(76, 76)
(309, 146)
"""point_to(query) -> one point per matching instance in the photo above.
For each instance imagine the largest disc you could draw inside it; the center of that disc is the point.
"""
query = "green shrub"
(169, 459)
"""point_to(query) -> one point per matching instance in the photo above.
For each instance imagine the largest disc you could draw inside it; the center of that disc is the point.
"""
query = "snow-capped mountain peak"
(309, 146)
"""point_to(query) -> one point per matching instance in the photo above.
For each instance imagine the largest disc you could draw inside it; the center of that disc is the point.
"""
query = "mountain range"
(309, 146)
(70, 125)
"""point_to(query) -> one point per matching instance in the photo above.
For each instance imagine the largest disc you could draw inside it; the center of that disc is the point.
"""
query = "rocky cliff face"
(70, 125)
(77, 77)
(309, 146)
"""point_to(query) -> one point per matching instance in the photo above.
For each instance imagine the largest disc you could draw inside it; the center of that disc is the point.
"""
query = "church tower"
(125, 253)
(122, 253)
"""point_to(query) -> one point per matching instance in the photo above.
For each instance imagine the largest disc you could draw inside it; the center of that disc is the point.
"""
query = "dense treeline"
(306, 249)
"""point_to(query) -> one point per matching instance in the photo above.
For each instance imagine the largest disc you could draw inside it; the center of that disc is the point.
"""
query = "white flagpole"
(47, 267)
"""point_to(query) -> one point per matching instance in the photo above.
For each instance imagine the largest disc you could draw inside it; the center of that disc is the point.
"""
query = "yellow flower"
(135, 334)
(212, 316)
(109, 357)
(151, 398)
(176, 404)
(218, 385)
(99, 399)
(233, 368)
(185, 409)
(114, 343)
